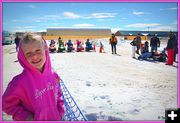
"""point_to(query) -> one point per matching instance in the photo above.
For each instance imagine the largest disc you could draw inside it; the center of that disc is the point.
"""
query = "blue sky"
(116, 16)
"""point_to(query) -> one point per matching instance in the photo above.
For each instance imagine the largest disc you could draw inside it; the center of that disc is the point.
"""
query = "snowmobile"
(160, 56)
(52, 46)
(61, 48)
(79, 46)
(89, 47)
(69, 46)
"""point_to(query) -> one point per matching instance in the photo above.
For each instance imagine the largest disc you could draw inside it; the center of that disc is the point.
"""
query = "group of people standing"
(171, 48)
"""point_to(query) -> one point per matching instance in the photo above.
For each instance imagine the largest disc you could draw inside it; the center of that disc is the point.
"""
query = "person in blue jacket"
(88, 45)
(69, 46)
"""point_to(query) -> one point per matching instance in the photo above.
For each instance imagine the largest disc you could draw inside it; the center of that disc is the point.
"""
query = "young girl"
(35, 93)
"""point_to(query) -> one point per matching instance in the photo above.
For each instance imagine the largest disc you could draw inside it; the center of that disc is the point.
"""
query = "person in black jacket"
(170, 48)
(17, 40)
(154, 43)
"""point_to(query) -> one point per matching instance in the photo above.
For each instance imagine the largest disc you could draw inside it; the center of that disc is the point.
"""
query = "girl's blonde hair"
(31, 37)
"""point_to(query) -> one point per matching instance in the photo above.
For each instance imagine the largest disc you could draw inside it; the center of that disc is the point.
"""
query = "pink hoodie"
(34, 93)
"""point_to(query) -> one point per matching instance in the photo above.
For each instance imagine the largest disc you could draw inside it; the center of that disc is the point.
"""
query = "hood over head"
(28, 67)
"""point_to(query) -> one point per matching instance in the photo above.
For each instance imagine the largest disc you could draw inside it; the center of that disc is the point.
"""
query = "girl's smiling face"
(34, 52)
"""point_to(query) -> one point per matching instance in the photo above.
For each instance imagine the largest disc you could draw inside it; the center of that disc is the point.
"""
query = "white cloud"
(138, 13)
(56, 27)
(28, 27)
(32, 6)
(142, 25)
(71, 15)
(102, 15)
(84, 25)
(164, 28)
(154, 26)
(48, 18)
(24, 28)
(174, 8)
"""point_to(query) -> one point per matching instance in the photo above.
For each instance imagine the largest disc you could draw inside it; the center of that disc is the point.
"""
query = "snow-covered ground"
(107, 86)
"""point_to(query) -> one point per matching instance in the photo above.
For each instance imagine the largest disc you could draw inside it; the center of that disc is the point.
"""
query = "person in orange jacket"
(113, 42)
